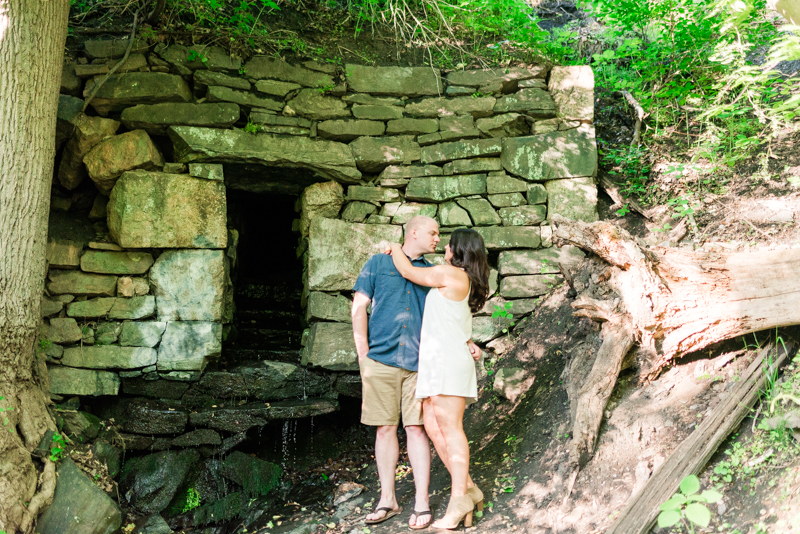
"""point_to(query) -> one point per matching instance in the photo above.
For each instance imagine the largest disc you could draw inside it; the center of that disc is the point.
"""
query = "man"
(387, 343)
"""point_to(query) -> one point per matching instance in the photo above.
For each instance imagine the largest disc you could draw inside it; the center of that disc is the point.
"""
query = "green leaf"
(690, 485)
(698, 514)
(668, 518)
(674, 503)
(711, 496)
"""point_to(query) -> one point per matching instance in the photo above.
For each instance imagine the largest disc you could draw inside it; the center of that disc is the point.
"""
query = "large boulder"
(79, 506)
(337, 251)
(442, 188)
(568, 154)
(187, 346)
(71, 381)
(190, 285)
(320, 200)
(373, 154)
(120, 91)
(156, 118)
(88, 132)
(264, 67)
(572, 89)
(544, 261)
(115, 155)
(151, 482)
(256, 476)
(148, 210)
(573, 198)
(331, 346)
(108, 262)
(326, 159)
(108, 357)
(394, 81)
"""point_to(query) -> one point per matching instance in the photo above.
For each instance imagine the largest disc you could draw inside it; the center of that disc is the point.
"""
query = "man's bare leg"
(419, 454)
(387, 453)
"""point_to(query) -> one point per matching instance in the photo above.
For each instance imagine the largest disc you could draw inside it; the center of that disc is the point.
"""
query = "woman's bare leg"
(448, 412)
(435, 433)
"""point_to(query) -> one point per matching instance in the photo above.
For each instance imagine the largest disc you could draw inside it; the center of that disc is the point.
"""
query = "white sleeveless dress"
(446, 366)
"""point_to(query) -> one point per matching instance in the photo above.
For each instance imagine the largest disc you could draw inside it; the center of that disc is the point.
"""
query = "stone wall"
(141, 310)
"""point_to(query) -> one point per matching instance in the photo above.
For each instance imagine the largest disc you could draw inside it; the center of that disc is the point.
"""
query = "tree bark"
(669, 302)
(32, 37)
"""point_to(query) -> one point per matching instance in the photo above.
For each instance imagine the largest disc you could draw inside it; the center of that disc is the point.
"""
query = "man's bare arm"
(360, 324)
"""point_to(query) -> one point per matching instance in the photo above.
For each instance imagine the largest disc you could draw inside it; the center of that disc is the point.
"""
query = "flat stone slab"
(114, 307)
(373, 154)
(313, 105)
(461, 150)
(568, 154)
(372, 194)
(190, 285)
(276, 88)
(572, 89)
(544, 261)
(326, 159)
(63, 253)
(505, 184)
(480, 211)
(113, 48)
(474, 165)
(72, 381)
(81, 284)
(479, 78)
(444, 107)
(105, 262)
(505, 200)
(240, 418)
(108, 357)
(141, 333)
(523, 215)
(573, 198)
(331, 346)
(442, 188)
(412, 126)
(406, 211)
(61, 330)
(121, 91)
(242, 98)
(156, 118)
(506, 237)
(187, 346)
(514, 287)
(534, 103)
(204, 78)
(337, 251)
(378, 113)
(154, 210)
(264, 67)
(394, 81)
(322, 306)
(347, 130)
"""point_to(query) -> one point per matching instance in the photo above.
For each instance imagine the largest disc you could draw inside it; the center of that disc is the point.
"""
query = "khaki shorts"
(386, 392)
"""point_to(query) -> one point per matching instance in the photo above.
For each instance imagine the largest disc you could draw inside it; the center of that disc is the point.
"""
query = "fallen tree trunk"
(673, 302)
(689, 458)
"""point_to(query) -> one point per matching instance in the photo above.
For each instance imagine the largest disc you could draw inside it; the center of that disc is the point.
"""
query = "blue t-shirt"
(397, 306)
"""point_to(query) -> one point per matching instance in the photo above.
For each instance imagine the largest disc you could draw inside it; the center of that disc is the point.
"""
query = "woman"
(446, 378)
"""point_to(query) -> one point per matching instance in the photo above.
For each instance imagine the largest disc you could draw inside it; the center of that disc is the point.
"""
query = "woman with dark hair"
(446, 378)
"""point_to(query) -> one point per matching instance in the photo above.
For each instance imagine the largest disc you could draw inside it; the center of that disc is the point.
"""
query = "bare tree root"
(41, 500)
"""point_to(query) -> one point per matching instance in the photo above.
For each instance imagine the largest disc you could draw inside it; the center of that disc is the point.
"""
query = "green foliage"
(505, 313)
(689, 505)
(57, 447)
(192, 500)
(252, 128)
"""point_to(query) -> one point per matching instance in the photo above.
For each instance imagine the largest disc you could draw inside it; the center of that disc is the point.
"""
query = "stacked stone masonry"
(364, 148)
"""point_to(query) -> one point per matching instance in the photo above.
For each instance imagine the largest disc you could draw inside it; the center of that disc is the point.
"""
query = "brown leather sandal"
(417, 516)
(390, 513)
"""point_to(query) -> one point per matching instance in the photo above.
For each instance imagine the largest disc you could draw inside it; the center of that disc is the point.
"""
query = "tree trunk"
(32, 36)
(670, 302)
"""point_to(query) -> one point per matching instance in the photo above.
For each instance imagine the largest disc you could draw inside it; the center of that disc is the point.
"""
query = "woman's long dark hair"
(469, 253)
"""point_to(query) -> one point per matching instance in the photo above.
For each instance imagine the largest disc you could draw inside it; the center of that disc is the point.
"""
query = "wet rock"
(551, 156)
(69, 381)
(154, 524)
(327, 159)
(79, 506)
(394, 81)
(444, 107)
(480, 211)
(506, 125)
(322, 306)
(158, 389)
(545, 261)
(469, 166)
(572, 89)
(501, 238)
(348, 385)
(83, 426)
(187, 346)
(328, 268)
(104, 262)
(347, 130)
(121, 91)
(264, 67)
(196, 438)
(320, 200)
(147, 416)
(240, 418)
(574, 198)
(61, 330)
(513, 287)
(115, 155)
(523, 215)
(442, 188)
(256, 476)
(108, 454)
(149, 210)
(108, 356)
(461, 150)
(331, 346)
(451, 214)
(63, 253)
(149, 483)
(156, 118)
(373, 154)
(141, 333)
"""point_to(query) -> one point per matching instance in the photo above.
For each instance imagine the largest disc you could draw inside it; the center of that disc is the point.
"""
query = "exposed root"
(41, 500)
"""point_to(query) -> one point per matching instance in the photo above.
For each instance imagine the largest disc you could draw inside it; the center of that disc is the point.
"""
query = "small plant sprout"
(57, 448)
(504, 312)
(688, 505)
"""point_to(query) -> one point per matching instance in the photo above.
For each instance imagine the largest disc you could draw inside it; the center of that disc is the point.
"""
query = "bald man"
(387, 343)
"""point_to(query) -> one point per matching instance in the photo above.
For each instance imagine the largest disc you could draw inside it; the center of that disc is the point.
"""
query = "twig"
(637, 128)
(154, 15)
(762, 232)
(614, 192)
(119, 63)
